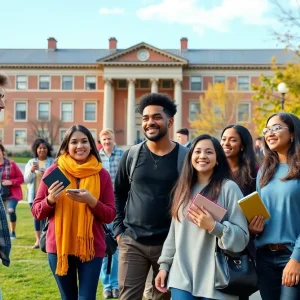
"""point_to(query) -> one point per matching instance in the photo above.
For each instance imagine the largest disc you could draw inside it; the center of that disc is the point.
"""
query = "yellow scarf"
(74, 220)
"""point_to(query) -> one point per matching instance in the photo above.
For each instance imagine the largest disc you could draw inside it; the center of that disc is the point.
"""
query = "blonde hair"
(106, 131)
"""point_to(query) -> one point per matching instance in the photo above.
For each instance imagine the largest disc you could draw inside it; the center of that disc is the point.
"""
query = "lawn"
(28, 276)
(20, 159)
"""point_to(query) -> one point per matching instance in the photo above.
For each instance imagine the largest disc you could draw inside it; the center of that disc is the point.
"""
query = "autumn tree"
(217, 109)
(268, 98)
(46, 129)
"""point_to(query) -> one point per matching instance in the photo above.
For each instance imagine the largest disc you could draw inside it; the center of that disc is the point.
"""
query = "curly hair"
(39, 142)
(169, 106)
(4, 82)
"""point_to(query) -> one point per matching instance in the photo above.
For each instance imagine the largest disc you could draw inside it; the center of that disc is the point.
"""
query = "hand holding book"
(201, 217)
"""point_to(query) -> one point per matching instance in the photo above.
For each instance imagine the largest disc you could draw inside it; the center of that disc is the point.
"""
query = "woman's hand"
(83, 197)
(160, 281)
(256, 226)
(6, 182)
(202, 217)
(291, 273)
(54, 191)
(34, 168)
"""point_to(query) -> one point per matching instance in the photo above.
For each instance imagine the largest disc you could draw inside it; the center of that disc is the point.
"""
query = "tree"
(290, 19)
(217, 110)
(46, 129)
(269, 100)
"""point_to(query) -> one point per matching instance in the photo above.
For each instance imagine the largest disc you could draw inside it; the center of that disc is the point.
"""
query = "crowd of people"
(144, 194)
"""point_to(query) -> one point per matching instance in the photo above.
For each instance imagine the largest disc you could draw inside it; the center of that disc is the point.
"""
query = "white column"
(178, 102)
(154, 85)
(108, 120)
(131, 113)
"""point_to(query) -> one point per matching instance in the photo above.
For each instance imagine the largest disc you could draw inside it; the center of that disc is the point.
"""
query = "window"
(62, 133)
(43, 134)
(21, 82)
(67, 112)
(67, 82)
(94, 134)
(43, 111)
(20, 111)
(243, 83)
(243, 112)
(196, 83)
(122, 84)
(194, 110)
(90, 82)
(166, 84)
(144, 84)
(219, 79)
(20, 137)
(90, 111)
(1, 135)
(44, 83)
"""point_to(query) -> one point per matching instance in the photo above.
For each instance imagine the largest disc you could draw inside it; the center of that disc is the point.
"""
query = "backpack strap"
(182, 151)
(132, 159)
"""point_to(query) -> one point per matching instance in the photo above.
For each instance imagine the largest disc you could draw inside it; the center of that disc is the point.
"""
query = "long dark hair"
(188, 178)
(293, 154)
(39, 142)
(64, 144)
(247, 162)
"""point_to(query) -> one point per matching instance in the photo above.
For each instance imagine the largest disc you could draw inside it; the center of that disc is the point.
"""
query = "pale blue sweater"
(282, 198)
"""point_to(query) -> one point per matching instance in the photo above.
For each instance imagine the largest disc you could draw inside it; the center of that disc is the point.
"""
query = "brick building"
(52, 89)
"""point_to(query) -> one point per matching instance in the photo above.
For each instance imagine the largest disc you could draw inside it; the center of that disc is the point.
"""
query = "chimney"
(184, 43)
(52, 44)
(113, 43)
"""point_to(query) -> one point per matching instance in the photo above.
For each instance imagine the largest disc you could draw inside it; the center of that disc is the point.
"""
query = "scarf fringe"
(85, 248)
(62, 265)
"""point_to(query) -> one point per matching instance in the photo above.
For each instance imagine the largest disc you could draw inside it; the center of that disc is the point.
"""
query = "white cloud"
(219, 18)
(111, 11)
(295, 3)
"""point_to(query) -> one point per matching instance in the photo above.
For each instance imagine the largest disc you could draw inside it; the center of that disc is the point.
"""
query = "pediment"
(142, 54)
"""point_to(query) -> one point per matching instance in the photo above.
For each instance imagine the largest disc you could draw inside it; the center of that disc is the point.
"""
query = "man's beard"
(157, 137)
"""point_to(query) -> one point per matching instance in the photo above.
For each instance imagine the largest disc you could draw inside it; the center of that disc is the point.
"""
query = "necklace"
(156, 161)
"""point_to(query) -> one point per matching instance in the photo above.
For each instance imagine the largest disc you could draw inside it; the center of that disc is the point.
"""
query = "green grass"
(29, 275)
(20, 159)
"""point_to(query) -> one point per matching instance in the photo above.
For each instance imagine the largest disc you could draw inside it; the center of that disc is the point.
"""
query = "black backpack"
(111, 246)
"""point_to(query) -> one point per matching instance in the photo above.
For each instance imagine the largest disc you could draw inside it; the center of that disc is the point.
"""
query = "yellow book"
(252, 206)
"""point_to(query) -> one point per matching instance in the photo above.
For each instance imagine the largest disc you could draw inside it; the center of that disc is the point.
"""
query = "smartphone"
(73, 190)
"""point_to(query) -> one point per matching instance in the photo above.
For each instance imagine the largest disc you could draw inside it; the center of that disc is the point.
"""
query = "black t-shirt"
(146, 213)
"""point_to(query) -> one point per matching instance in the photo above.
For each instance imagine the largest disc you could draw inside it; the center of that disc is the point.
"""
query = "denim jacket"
(29, 177)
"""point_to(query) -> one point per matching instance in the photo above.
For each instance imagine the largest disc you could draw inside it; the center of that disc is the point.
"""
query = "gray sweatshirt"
(189, 251)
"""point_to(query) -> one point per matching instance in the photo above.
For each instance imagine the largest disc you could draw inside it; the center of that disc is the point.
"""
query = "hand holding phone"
(73, 191)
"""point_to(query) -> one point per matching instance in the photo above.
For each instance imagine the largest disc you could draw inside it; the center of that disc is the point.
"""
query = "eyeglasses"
(275, 128)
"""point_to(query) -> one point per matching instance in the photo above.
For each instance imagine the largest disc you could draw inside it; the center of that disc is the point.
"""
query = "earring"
(292, 140)
(242, 149)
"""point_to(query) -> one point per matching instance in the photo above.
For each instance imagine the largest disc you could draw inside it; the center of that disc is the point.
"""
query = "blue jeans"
(184, 295)
(110, 281)
(270, 267)
(88, 278)
(11, 209)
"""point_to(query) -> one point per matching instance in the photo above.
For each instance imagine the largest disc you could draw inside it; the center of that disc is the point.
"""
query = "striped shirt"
(111, 163)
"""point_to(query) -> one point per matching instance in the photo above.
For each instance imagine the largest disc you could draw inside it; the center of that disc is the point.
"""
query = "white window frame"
(193, 102)
(26, 88)
(61, 137)
(225, 78)
(85, 82)
(43, 102)
(2, 135)
(96, 109)
(20, 129)
(15, 110)
(238, 87)
(61, 111)
(62, 81)
(201, 81)
(249, 112)
(45, 81)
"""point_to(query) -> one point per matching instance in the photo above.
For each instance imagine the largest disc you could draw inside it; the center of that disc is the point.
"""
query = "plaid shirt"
(5, 243)
(111, 163)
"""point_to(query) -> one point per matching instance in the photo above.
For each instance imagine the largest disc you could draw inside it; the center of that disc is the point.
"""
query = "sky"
(208, 24)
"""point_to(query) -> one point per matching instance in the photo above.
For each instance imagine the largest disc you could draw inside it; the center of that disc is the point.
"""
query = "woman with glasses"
(278, 183)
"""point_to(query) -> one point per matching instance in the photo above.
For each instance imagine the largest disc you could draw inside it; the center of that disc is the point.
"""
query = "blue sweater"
(282, 198)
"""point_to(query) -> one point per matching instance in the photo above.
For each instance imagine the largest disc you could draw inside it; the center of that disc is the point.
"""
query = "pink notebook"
(218, 212)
